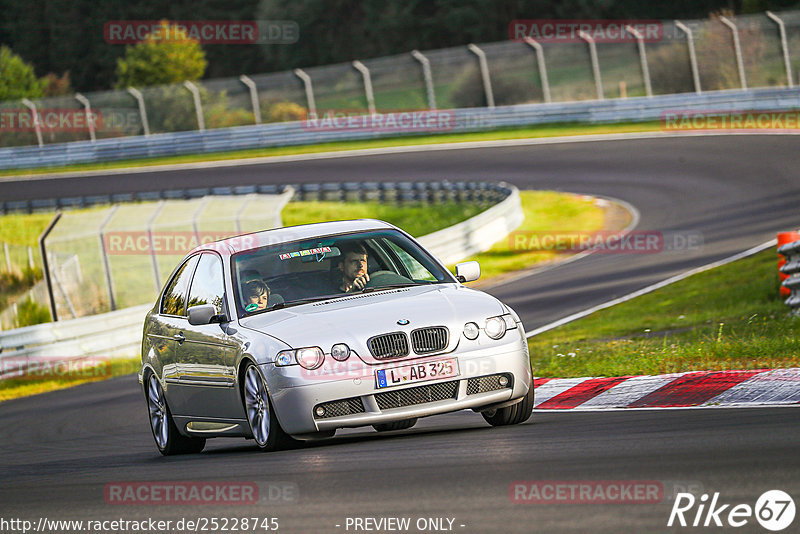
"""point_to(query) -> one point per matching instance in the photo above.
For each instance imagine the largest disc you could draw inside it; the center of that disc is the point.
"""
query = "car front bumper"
(295, 398)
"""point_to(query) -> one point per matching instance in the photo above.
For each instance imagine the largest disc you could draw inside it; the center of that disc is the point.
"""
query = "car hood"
(353, 319)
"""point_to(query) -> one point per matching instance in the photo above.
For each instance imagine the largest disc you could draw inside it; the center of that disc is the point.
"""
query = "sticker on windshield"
(251, 307)
(307, 252)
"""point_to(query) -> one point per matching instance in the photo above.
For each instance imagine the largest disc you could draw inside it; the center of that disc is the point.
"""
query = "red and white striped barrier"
(697, 388)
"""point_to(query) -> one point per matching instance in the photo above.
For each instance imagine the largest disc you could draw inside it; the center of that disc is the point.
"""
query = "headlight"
(308, 357)
(471, 331)
(340, 352)
(495, 327)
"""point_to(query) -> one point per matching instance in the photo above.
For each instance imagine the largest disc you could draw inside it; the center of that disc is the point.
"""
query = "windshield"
(289, 274)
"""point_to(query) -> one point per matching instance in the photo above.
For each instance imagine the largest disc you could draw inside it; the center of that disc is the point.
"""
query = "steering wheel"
(385, 278)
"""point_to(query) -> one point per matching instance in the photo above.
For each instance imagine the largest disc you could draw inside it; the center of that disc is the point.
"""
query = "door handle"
(179, 337)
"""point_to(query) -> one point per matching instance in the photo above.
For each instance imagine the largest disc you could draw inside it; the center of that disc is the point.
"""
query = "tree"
(166, 56)
(17, 79)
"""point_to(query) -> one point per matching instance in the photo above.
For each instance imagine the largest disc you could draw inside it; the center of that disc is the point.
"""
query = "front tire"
(264, 425)
(168, 440)
(512, 415)
(397, 425)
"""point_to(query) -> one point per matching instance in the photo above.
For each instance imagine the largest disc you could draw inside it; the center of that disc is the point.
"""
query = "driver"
(352, 268)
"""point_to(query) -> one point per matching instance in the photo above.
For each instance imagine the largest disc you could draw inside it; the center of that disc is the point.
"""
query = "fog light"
(320, 411)
(503, 381)
(340, 352)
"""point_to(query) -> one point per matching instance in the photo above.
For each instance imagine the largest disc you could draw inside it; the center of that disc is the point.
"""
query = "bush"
(286, 111)
(30, 313)
(169, 56)
(468, 90)
(17, 79)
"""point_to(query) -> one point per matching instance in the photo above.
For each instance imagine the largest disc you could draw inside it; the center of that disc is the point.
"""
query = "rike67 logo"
(774, 510)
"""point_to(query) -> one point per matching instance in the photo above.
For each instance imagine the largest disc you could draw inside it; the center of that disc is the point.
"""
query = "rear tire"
(397, 425)
(168, 440)
(264, 425)
(511, 415)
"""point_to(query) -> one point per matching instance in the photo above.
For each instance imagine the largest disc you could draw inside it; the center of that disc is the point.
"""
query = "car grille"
(340, 408)
(387, 346)
(485, 384)
(426, 340)
(417, 395)
(395, 345)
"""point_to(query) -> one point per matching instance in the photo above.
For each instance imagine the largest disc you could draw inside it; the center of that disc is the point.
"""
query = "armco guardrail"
(118, 333)
(462, 120)
(791, 251)
(478, 233)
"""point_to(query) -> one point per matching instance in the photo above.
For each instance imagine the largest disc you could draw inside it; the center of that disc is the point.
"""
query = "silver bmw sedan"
(290, 334)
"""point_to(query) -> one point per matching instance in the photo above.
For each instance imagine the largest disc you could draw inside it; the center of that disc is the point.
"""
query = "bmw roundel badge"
(403, 322)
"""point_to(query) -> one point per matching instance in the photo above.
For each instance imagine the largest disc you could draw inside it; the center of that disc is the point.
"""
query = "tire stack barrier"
(791, 273)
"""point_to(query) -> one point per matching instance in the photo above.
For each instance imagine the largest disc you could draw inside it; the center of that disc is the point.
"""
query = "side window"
(174, 301)
(414, 268)
(208, 286)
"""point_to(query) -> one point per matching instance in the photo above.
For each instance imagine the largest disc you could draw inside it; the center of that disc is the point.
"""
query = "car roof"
(275, 236)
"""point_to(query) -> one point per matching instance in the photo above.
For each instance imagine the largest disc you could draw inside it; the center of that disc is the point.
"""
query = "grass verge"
(730, 317)
(546, 130)
(13, 388)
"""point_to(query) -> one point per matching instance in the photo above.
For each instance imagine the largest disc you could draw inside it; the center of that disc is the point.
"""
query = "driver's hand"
(360, 282)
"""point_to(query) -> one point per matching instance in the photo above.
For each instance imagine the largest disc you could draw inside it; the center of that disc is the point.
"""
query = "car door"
(165, 329)
(207, 354)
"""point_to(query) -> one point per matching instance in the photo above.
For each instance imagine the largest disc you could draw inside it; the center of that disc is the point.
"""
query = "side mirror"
(468, 271)
(204, 314)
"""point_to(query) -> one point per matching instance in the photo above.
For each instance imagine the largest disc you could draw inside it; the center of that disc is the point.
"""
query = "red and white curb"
(764, 387)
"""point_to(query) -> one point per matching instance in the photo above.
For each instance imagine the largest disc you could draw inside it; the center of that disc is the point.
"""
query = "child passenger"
(256, 292)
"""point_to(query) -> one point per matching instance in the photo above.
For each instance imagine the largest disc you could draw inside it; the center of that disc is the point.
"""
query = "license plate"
(416, 372)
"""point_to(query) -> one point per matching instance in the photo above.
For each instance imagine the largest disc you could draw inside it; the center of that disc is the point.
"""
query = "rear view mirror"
(204, 314)
(468, 271)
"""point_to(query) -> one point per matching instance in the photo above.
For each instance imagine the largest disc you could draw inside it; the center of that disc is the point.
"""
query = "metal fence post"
(153, 259)
(427, 77)
(542, 66)
(784, 47)
(8, 256)
(598, 81)
(89, 118)
(37, 123)
(198, 106)
(692, 55)
(251, 85)
(112, 300)
(237, 222)
(46, 266)
(360, 67)
(197, 212)
(312, 106)
(135, 93)
(737, 49)
(642, 59)
(487, 82)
